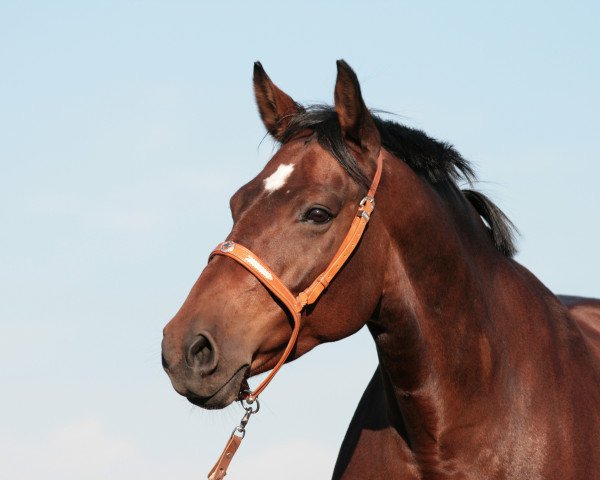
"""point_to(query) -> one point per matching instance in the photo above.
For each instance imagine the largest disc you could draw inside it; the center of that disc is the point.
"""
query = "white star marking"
(278, 178)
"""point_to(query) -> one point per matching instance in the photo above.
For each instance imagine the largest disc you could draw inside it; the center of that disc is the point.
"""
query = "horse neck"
(457, 318)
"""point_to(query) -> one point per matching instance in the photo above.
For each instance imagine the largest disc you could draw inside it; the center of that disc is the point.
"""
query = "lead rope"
(219, 471)
(295, 305)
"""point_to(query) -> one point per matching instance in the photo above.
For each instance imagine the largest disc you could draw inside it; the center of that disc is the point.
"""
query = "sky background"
(119, 120)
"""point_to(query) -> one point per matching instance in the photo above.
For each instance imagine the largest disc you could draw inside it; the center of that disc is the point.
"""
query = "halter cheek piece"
(295, 304)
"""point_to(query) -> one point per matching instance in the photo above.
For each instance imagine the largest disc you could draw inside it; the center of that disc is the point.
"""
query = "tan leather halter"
(295, 304)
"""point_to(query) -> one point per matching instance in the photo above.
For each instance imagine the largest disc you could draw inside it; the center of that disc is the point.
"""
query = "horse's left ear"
(276, 107)
(355, 119)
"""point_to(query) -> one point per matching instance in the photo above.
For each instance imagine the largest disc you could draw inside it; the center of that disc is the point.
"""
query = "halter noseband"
(294, 304)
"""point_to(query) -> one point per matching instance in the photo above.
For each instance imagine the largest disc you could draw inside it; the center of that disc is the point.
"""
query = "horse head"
(293, 215)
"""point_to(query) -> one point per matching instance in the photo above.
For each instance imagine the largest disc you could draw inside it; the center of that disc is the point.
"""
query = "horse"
(483, 372)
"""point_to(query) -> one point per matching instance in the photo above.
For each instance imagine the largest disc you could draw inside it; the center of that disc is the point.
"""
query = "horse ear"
(355, 119)
(276, 107)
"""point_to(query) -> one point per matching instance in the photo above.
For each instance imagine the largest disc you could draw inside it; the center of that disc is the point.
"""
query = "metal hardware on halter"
(370, 199)
(227, 246)
(249, 402)
(251, 408)
(362, 211)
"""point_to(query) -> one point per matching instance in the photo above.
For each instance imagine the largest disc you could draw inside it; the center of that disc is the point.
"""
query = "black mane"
(436, 161)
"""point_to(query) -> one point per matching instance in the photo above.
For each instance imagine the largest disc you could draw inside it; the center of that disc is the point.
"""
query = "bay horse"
(483, 372)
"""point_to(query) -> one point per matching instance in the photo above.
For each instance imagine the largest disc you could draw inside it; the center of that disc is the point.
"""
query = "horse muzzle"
(198, 372)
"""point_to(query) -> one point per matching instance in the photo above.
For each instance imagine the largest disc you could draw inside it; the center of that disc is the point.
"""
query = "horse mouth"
(225, 394)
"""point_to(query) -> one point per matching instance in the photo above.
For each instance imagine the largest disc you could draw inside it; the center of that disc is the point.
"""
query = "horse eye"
(318, 215)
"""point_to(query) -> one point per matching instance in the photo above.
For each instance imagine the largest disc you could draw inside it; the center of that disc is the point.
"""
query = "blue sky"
(120, 119)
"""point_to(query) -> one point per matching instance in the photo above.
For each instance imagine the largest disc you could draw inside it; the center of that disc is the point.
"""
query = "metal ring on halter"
(252, 406)
(249, 400)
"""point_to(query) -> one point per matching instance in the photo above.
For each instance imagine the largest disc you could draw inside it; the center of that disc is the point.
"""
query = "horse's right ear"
(276, 107)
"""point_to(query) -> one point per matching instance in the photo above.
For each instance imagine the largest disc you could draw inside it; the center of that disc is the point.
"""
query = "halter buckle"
(362, 209)
(368, 198)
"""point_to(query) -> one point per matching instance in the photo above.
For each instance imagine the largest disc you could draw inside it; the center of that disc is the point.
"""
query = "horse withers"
(483, 372)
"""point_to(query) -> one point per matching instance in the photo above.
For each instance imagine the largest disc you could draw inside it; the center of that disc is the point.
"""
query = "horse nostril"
(164, 362)
(202, 355)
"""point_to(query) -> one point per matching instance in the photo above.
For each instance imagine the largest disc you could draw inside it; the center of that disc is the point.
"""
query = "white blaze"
(278, 178)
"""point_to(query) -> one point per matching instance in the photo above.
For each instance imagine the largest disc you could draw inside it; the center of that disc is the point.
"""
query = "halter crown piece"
(295, 304)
